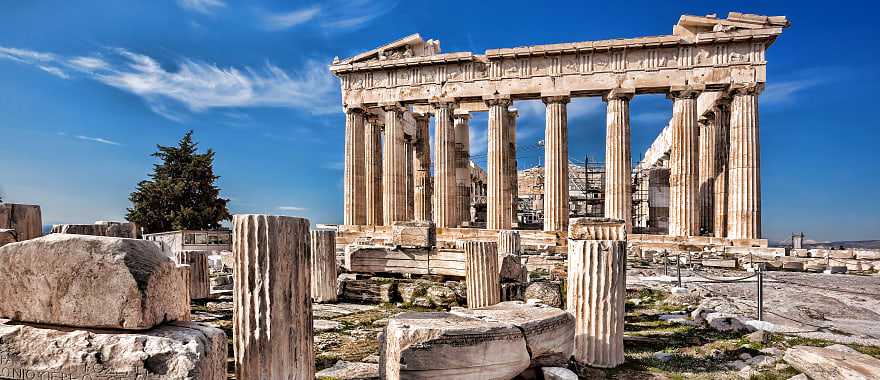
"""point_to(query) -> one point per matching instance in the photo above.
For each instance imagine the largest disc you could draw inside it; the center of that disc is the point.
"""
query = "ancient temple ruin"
(713, 69)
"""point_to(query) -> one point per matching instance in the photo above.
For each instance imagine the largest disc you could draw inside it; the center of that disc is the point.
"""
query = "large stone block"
(414, 234)
(176, 350)
(549, 331)
(451, 346)
(828, 363)
(90, 281)
(7, 236)
(26, 220)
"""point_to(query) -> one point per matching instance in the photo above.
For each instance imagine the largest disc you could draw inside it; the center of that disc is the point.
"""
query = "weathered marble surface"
(549, 331)
(414, 234)
(200, 281)
(90, 281)
(176, 350)
(26, 220)
(448, 346)
(7, 236)
(323, 251)
(820, 363)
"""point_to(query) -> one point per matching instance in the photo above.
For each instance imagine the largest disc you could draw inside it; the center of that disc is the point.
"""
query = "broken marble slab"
(90, 281)
(175, 350)
(440, 345)
(549, 331)
(834, 362)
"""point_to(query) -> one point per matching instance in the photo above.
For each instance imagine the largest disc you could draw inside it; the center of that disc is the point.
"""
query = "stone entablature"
(715, 59)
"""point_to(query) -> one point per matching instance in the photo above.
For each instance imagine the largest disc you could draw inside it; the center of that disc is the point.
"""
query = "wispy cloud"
(98, 140)
(194, 85)
(292, 208)
(201, 6)
(287, 20)
(784, 92)
(333, 165)
(331, 16)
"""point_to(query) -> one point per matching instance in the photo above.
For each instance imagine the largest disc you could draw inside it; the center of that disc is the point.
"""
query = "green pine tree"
(180, 194)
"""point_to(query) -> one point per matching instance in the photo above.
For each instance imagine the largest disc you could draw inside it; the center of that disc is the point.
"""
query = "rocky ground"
(662, 341)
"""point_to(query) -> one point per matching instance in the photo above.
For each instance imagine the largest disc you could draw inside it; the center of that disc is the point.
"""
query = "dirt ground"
(832, 306)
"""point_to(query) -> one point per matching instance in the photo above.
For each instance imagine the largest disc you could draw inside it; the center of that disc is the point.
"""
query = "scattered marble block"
(105, 283)
(719, 263)
(827, 363)
(26, 220)
(175, 350)
(449, 346)
(549, 331)
(414, 234)
(200, 280)
(344, 370)
(367, 291)
(558, 373)
(550, 293)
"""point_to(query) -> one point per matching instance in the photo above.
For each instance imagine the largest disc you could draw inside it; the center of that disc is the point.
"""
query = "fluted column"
(707, 173)
(498, 193)
(323, 251)
(355, 211)
(722, 151)
(481, 273)
(618, 158)
(373, 172)
(462, 167)
(596, 294)
(508, 242)
(744, 163)
(512, 167)
(272, 305)
(445, 193)
(200, 275)
(409, 148)
(393, 168)
(556, 164)
(683, 164)
(423, 183)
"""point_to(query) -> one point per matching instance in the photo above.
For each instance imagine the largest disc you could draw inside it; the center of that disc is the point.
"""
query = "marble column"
(509, 260)
(618, 158)
(323, 251)
(272, 304)
(409, 148)
(556, 164)
(498, 210)
(744, 165)
(512, 167)
(393, 167)
(355, 211)
(683, 164)
(200, 275)
(597, 292)
(373, 176)
(423, 183)
(707, 173)
(481, 273)
(445, 193)
(462, 167)
(722, 151)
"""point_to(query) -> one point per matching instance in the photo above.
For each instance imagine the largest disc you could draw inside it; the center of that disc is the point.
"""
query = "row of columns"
(714, 166)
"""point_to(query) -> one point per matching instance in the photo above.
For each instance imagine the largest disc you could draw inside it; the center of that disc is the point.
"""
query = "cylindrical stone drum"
(324, 266)
(272, 298)
(200, 281)
(481, 273)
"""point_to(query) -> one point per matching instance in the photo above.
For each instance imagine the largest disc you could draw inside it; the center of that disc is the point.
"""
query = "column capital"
(372, 118)
(746, 88)
(513, 112)
(685, 92)
(442, 103)
(619, 93)
(461, 115)
(497, 100)
(391, 106)
(353, 108)
(556, 99)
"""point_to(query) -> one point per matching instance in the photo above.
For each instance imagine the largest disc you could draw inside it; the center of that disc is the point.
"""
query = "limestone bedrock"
(90, 281)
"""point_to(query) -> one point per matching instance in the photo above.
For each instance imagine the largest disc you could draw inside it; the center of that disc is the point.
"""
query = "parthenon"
(712, 69)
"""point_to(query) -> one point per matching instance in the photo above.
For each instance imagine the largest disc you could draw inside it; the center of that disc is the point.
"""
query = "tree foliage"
(180, 194)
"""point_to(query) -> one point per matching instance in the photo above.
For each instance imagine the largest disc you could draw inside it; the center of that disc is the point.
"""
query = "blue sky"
(88, 88)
